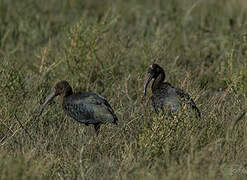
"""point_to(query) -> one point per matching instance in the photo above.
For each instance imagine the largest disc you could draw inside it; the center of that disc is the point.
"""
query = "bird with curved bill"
(165, 96)
(84, 107)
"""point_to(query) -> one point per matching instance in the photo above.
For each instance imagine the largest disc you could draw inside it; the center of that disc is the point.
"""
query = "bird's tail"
(193, 105)
(198, 113)
(115, 119)
(97, 128)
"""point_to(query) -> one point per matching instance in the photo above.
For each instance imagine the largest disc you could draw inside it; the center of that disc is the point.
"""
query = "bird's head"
(61, 88)
(153, 72)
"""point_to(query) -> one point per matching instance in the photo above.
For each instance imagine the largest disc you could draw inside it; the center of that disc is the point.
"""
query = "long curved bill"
(50, 97)
(149, 78)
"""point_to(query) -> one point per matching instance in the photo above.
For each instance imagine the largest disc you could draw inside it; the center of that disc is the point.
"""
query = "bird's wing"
(80, 111)
(187, 99)
(103, 110)
(90, 108)
(167, 95)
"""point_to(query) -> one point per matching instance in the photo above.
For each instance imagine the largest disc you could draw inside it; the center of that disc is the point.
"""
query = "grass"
(106, 47)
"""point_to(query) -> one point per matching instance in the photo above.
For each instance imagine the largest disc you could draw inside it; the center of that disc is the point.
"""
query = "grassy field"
(106, 47)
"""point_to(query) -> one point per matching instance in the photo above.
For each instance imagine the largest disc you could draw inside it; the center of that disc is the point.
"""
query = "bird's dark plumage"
(165, 95)
(84, 107)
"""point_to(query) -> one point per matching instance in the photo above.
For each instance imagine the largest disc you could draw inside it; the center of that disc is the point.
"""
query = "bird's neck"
(68, 92)
(158, 80)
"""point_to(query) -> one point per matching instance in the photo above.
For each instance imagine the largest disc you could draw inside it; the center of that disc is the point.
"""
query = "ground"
(106, 47)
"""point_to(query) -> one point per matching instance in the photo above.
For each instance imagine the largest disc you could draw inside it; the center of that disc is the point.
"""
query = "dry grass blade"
(238, 120)
(22, 127)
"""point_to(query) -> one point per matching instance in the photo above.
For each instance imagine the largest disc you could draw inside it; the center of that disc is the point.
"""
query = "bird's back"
(89, 108)
(173, 98)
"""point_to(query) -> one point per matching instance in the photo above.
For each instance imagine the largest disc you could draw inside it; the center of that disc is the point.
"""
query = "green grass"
(106, 47)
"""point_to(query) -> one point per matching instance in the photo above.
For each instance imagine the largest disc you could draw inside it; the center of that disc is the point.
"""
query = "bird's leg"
(163, 112)
(97, 128)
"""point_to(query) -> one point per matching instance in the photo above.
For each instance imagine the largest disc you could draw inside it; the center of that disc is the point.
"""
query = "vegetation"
(105, 47)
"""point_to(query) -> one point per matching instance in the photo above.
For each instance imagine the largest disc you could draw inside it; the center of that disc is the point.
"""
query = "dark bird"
(84, 107)
(165, 95)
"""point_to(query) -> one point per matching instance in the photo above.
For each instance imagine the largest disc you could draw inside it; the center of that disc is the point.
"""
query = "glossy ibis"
(165, 95)
(84, 107)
